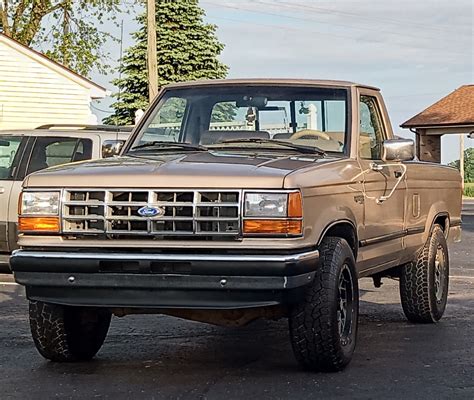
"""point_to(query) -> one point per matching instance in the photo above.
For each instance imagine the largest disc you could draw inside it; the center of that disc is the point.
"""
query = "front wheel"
(64, 333)
(323, 327)
(424, 282)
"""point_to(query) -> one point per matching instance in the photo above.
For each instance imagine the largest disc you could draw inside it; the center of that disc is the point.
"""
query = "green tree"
(70, 30)
(468, 165)
(187, 49)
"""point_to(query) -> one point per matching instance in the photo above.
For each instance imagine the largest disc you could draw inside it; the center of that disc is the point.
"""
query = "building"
(453, 114)
(35, 90)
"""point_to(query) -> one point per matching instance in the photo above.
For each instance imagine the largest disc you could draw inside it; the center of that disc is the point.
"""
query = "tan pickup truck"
(234, 200)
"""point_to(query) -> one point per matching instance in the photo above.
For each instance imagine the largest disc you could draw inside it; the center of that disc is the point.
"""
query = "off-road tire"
(65, 334)
(423, 288)
(315, 334)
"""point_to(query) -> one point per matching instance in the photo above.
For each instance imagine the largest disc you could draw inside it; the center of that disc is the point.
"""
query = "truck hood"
(190, 170)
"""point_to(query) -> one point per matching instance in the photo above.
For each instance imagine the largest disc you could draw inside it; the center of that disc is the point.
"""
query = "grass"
(469, 189)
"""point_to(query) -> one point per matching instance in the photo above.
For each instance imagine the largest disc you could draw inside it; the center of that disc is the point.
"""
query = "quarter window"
(371, 129)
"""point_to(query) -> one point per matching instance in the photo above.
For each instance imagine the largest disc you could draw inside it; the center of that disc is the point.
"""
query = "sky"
(415, 51)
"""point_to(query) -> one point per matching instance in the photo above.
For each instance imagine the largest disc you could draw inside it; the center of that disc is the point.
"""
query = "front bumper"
(164, 280)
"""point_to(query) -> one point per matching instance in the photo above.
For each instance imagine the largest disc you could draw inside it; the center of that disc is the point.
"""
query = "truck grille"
(182, 212)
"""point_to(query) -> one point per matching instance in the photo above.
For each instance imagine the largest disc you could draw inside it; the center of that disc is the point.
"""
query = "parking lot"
(163, 357)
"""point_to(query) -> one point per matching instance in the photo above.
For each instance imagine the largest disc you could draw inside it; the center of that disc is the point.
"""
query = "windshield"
(246, 117)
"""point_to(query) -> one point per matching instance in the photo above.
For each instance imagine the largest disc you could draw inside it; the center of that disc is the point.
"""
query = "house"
(453, 114)
(34, 90)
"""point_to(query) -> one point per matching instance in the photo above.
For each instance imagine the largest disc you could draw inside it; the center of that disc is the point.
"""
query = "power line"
(358, 16)
(313, 20)
(286, 28)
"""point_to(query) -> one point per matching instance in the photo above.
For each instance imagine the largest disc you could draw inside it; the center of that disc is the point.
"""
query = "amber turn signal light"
(38, 224)
(272, 226)
(295, 205)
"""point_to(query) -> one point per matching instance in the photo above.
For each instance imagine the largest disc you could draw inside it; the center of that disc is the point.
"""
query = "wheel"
(323, 326)
(424, 282)
(63, 333)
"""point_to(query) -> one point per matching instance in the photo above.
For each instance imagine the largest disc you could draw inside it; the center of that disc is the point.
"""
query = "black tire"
(424, 282)
(323, 339)
(63, 333)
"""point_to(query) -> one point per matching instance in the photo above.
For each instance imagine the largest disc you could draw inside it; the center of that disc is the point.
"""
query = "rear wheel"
(63, 333)
(424, 282)
(323, 327)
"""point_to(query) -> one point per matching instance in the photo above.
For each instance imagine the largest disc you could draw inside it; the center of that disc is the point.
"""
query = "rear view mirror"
(398, 150)
(252, 101)
(4, 143)
(112, 148)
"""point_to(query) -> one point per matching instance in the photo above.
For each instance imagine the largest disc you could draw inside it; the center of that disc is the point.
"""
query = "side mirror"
(112, 148)
(398, 150)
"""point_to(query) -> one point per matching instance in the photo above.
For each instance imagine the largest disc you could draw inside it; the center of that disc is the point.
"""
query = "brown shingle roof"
(456, 109)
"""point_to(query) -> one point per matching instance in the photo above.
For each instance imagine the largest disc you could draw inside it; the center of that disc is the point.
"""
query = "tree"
(187, 49)
(468, 165)
(68, 29)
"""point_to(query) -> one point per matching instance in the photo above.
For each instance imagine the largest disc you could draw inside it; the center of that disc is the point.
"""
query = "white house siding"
(32, 93)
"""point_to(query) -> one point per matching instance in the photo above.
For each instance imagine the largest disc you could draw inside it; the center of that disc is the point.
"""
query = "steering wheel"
(310, 132)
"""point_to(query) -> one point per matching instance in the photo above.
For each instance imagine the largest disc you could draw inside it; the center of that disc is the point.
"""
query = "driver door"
(383, 228)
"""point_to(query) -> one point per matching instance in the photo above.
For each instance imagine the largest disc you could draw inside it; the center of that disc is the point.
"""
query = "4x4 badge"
(148, 211)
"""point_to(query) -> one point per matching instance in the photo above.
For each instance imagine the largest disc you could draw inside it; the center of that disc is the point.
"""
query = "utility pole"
(66, 32)
(151, 50)
(461, 158)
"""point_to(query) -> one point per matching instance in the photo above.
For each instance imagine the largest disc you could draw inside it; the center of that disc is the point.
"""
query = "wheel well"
(443, 221)
(346, 231)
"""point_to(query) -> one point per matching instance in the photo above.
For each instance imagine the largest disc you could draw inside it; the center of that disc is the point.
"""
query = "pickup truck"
(235, 200)
(23, 152)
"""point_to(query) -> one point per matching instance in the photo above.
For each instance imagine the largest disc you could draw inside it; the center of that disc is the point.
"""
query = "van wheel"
(64, 333)
(323, 327)
(424, 282)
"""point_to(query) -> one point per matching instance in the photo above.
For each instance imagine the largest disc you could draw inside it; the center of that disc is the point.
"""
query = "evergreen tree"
(187, 49)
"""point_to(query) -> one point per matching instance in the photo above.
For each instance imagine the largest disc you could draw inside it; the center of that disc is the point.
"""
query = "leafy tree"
(468, 165)
(69, 29)
(187, 49)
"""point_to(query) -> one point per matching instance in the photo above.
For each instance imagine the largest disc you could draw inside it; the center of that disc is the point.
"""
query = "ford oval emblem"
(149, 211)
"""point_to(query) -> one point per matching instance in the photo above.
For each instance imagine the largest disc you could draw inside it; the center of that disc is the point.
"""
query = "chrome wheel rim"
(439, 273)
(345, 304)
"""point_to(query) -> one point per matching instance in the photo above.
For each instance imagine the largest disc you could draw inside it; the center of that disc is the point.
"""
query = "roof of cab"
(106, 135)
(269, 81)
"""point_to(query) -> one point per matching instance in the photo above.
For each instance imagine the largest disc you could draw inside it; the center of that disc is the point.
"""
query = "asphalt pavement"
(158, 357)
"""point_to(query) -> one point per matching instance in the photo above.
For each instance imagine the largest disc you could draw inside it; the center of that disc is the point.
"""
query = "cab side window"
(9, 156)
(48, 151)
(371, 129)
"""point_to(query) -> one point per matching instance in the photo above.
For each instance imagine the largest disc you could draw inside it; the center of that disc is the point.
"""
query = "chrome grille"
(185, 212)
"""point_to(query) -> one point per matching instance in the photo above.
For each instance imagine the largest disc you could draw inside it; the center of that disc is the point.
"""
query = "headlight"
(39, 203)
(273, 213)
(39, 212)
(266, 204)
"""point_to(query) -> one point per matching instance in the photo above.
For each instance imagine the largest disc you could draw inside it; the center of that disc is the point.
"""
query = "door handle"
(2, 190)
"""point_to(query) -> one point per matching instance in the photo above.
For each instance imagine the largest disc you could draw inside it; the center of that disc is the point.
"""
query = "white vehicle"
(23, 152)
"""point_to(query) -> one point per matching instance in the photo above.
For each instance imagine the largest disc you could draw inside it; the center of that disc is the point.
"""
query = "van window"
(50, 151)
(9, 148)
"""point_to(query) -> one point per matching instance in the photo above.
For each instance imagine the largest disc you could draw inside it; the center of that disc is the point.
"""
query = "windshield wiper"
(300, 148)
(163, 145)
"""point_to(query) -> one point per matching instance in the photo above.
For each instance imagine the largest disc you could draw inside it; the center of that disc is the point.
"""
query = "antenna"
(120, 74)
